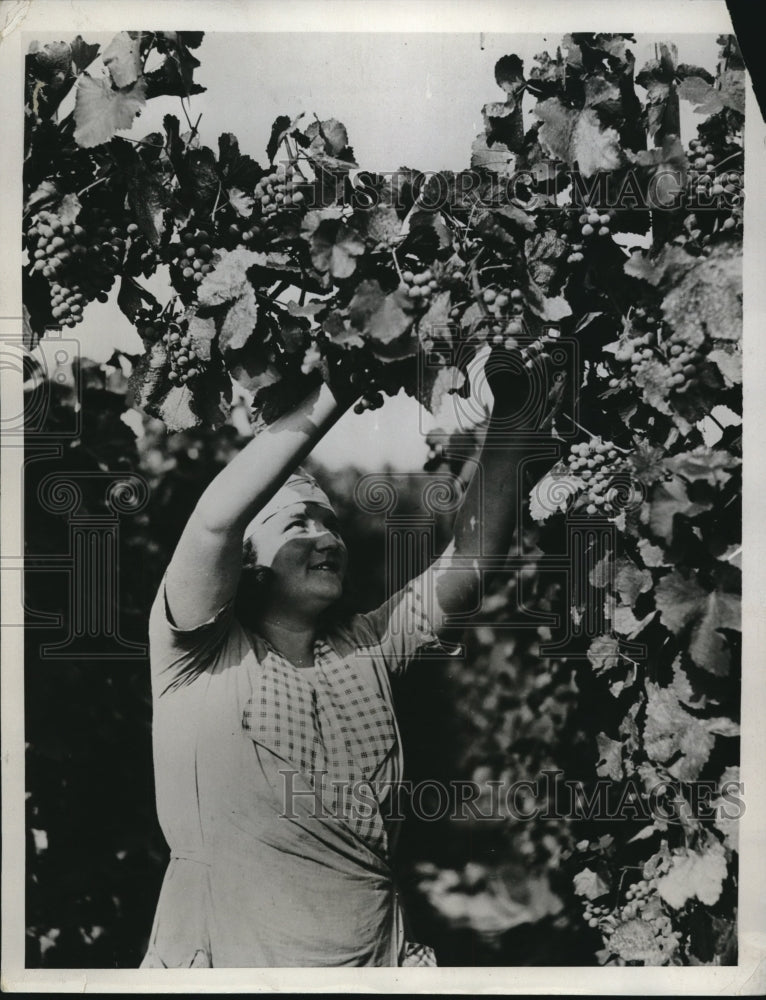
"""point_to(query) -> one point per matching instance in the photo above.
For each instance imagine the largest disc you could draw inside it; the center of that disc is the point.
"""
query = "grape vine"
(596, 228)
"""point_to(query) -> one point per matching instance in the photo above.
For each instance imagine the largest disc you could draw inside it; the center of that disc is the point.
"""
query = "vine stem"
(217, 196)
(94, 184)
(732, 156)
(396, 265)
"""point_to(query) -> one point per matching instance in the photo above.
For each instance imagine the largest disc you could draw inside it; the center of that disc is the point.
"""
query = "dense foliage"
(595, 236)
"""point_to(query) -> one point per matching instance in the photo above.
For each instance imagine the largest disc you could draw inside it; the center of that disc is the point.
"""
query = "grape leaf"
(634, 941)
(509, 74)
(131, 296)
(683, 689)
(693, 874)
(49, 77)
(729, 364)
(148, 382)
(673, 737)
(630, 581)
(329, 137)
(279, 129)
(201, 333)
(553, 492)
(652, 378)
(726, 819)
(604, 652)
(334, 247)
(380, 316)
(603, 571)
(668, 499)
(122, 57)
(625, 623)
(45, 194)
(238, 171)
(664, 270)
(657, 77)
(578, 138)
(384, 227)
(590, 884)
(83, 54)
(699, 92)
(496, 158)
(148, 198)
(683, 604)
(503, 123)
(708, 299)
(228, 279)
(435, 321)
(200, 179)
(240, 320)
(176, 75)
(169, 81)
(176, 410)
(646, 462)
(242, 203)
(610, 757)
(69, 209)
(652, 555)
(732, 89)
(545, 253)
(703, 463)
(100, 111)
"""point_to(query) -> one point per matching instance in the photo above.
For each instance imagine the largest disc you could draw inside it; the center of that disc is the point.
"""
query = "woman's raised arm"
(206, 565)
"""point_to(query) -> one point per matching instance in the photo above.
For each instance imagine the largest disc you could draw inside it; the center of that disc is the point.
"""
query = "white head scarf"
(300, 488)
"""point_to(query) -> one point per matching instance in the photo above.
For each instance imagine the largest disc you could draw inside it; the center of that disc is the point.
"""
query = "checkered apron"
(332, 720)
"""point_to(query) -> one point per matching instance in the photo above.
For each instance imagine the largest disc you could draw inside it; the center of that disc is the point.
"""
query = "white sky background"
(406, 99)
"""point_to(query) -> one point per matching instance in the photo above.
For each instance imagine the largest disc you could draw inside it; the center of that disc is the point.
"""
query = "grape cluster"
(67, 303)
(644, 346)
(242, 233)
(594, 223)
(79, 260)
(280, 190)
(506, 306)
(191, 257)
(149, 324)
(596, 462)
(712, 186)
(701, 164)
(641, 909)
(576, 255)
(420, 285)
(184, 363)
(141, 257)
(593, 914)
(54, 245)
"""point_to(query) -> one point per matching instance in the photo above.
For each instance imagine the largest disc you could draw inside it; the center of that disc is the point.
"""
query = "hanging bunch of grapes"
(190, 258)
(280, 190)
(639, 927)
(715, 189)
(78, 254)
(605, 471)
(650, 346)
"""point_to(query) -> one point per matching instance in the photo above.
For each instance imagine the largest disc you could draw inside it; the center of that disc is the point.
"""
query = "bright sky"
(412, 100)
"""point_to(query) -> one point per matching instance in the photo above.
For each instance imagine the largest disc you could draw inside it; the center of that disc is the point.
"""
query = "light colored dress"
(272, 784)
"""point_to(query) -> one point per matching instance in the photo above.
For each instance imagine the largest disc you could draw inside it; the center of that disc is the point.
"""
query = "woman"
(275, 741)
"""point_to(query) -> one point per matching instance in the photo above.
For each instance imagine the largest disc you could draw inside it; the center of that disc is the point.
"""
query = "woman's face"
(302, 547)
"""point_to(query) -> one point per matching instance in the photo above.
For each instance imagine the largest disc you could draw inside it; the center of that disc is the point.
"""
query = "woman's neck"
(293, 639)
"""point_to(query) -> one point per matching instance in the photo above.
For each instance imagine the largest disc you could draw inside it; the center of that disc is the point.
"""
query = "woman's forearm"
(254, 475)
(204, 572)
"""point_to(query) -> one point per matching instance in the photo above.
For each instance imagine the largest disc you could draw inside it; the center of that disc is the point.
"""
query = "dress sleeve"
(402, 626)
(178, 656)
